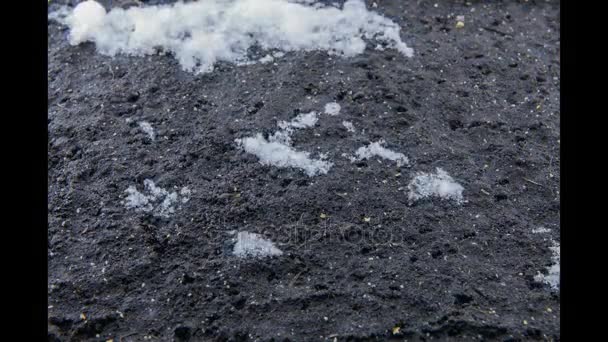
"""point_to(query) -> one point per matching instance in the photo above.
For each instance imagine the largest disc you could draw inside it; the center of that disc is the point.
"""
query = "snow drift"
(202, 33)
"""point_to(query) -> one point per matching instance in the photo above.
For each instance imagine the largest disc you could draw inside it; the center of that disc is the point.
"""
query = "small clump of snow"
(84, 21)
(301, 121)
(158, 201)
(332, 108)
(254, 245)
(439, 184)
(136, 200)
(277, 149)
(185, 193)
(553, 272)
(202, 33)
(349, 126)
(376, 149)
(279, 154)
(540, 230)
(148, 129)
(166, 207)
(305, 120)
(266, 59)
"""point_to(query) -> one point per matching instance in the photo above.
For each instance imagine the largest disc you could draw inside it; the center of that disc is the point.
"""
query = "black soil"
(481, 102)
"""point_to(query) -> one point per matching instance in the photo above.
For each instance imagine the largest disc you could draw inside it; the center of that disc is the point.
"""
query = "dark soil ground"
(481, 102)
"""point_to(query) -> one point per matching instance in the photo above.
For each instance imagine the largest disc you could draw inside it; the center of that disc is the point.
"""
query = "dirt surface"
(358, 263)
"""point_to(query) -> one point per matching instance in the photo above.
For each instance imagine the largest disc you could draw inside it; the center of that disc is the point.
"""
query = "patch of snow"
(137, 200)
(553, 272)
(540, 230)
(349, 126)
(376, 149)
(201, 33)
(84, 20)
(148, 129)
(277, 150)
(158, 201)
(266, 59)
(332, 108)
(254, 245)
(280, 154)
(439, 184)
(166, 206)
(185, 193)
(306, 120)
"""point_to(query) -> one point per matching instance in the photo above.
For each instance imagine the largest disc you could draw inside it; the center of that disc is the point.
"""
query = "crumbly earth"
(358, 262)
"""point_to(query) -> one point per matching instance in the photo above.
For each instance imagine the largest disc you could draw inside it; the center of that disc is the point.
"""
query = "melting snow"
(553, 272)
(280, 154)
(266, 59)
(254, 245)
(277, 150)
(202, 33)
(349, 126)
(147, 128)
(540, 230)
(439, 184)
(376, 149)
(332, 108)
(306, 120)
(158, 201)
(185, 193)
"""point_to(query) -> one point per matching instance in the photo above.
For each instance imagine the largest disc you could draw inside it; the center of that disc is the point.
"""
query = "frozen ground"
(162, 226)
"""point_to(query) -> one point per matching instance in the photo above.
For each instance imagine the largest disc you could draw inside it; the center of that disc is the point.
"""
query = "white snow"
(279, 154)
(137, 200)
(376, 149)
(254, 245)
(84, 21)
(553, 272)
(540, 230)
(158, 201)
(349, 126)
(306, 120)
(301, 121)
(148, 129)
(277, 150)
(440, 184)
(266, 59)
(332, 108)
(185, 193)
(166, 206)
(201, 33)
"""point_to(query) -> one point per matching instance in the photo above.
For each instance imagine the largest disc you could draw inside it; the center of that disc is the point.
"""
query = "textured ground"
(481, 102)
